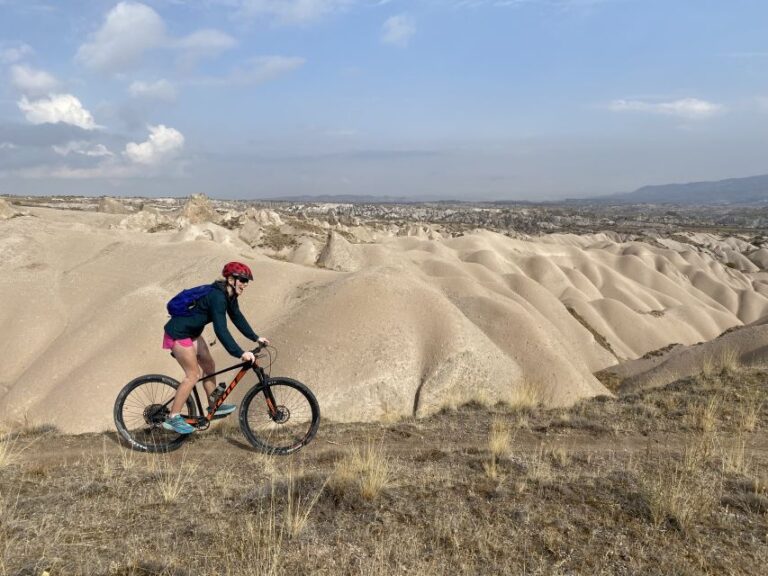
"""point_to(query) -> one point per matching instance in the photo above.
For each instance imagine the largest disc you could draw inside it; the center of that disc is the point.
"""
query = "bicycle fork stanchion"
(271, 402)
(268, 395)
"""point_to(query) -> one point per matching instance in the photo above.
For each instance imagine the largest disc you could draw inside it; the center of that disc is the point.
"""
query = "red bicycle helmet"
(236, 269)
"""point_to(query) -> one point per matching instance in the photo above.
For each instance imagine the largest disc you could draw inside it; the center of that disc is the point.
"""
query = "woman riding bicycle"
(183, 337)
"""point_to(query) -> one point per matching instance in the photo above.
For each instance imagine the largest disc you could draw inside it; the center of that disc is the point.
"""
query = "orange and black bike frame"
(204, 421)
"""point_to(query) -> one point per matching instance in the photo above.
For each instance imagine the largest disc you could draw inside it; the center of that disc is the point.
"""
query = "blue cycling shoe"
(225, 409)
(178, 424)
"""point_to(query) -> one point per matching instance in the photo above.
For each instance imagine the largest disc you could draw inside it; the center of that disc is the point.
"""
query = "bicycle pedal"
(219, 416)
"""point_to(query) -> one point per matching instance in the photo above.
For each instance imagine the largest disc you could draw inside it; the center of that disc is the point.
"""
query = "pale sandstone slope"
(401, 326)
(744, 346)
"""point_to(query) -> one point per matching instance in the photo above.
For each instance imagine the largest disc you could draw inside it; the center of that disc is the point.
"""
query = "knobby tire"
(292, 428)
(139, 411)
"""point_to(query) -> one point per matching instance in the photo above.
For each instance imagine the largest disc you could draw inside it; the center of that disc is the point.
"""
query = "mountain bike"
(277, 415)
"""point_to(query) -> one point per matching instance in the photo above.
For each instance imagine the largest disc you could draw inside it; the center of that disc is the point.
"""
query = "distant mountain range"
(750, 190)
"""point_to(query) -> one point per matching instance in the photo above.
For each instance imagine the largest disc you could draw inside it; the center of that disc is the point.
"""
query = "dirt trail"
(462, 432)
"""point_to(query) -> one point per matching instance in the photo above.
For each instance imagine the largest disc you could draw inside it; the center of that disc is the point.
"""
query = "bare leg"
(207, 364)
(187, 358)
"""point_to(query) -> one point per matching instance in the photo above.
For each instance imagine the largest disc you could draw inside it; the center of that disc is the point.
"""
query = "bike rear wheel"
(141, 408)
(290, 426)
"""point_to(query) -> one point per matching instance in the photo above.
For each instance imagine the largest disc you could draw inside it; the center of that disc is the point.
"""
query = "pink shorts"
(168, 342)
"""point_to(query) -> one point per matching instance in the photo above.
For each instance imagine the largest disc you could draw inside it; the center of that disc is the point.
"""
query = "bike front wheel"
(141, 408)
(279, 416)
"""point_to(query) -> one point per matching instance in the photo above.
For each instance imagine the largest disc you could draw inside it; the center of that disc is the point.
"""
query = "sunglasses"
(243, 279)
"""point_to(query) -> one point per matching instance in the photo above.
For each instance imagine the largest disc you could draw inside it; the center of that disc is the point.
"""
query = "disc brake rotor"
(155, 414)
(282, 416)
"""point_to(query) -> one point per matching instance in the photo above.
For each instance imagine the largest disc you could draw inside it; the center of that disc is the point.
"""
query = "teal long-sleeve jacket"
(213, 307)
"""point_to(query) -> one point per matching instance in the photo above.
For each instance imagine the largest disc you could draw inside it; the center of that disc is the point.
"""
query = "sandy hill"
(739, 346)
(397, 325)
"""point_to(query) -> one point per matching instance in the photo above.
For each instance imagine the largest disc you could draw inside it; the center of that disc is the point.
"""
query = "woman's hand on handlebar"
(248, 357)
(260, 344)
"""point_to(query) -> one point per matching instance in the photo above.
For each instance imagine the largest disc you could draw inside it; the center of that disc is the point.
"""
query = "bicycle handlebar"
(259, 347)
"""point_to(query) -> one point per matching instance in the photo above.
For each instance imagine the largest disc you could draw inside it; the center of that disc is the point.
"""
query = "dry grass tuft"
(172, 479)
(11, 449)
(675, 496)
(499, 438)
(491, 468)
(256, 551)
(735, 459)
(749, 412)
(759, 485)
(727, 362)
(499, 442)
(9, 453)
(525, 396)
(298, 507)
(26, 427)
(368, 470)
(560, 455)
(522, 421)
(705, 416)
(697, 453)
(537, 465)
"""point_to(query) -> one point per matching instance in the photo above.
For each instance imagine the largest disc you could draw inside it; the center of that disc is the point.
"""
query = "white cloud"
(8, 146)
(257, 70)
(265, 68)
(159, 90)
(292, 11)
(31, 81)
(398, 30)
(138, 160)
(82, 148)
(14, 54)
(106, 169)
(163, 144)
(57, 108)
(692, 108)
(201, 44)
(206, 40)
(130, 29)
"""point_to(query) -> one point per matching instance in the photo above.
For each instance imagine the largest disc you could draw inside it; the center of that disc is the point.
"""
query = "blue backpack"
(184, 302)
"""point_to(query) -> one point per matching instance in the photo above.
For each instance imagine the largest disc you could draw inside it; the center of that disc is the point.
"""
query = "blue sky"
(465, 99)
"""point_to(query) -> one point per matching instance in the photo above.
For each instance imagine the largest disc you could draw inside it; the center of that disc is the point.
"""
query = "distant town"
(455, 217)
